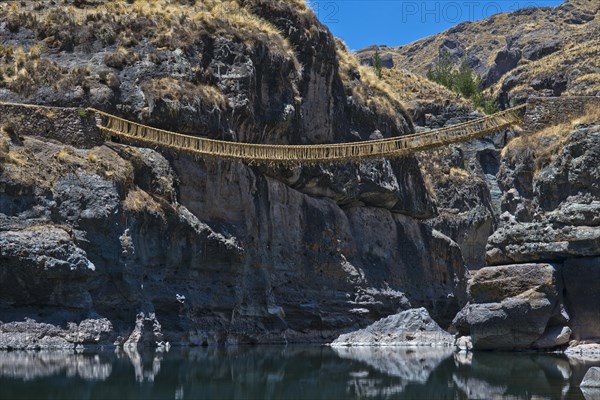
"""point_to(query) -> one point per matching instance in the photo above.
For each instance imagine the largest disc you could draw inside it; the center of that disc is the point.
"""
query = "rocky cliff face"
(540, 290)
(105, 244)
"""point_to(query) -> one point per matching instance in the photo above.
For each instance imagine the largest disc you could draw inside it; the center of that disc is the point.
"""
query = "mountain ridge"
(503, 47)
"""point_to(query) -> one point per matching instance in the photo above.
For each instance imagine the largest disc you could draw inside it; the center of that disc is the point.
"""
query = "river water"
(292, 372)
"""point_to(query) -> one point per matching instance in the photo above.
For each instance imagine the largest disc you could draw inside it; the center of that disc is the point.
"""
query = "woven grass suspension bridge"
(137, 134)
(129, 131)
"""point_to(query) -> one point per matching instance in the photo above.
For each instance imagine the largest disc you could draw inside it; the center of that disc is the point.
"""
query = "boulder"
(412, 327)
(591, 378)
(515, 323)
(554, 336)
(464, 343)
(590, 393)
(494, 284)
(582, 351)
(515, 307)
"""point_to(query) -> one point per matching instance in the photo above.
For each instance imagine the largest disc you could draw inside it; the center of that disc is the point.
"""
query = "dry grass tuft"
(138, 201)
(459, 172)
(366, 88)
(65, 155)
(179, 93)
(546, 143)
(121, 58)
(92, 157)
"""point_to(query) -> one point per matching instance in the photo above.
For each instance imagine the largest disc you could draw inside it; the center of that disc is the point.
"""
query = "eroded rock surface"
(189, 252)
(548, 225)
(515, 307)
(172, 248)
(409, 328)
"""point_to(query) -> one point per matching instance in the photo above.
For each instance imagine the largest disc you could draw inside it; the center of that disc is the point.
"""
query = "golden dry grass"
(368, 90)
(165, 23)
(544, 144)
(460, 172)
(138, 201)
(413, 88)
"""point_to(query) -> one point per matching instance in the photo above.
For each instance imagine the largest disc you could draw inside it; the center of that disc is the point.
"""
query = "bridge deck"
(390, 147)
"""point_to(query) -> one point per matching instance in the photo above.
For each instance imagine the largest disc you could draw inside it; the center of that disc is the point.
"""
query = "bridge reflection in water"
(276, 372)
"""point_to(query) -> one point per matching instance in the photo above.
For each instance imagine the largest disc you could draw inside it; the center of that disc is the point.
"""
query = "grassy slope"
(525, 29)
(146, 30)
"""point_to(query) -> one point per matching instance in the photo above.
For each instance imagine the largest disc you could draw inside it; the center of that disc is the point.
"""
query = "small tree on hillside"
(443, 72)
(466, 82)
(377, 64)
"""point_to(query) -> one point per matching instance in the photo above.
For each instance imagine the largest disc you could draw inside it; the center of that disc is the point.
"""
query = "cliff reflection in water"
(290, 372)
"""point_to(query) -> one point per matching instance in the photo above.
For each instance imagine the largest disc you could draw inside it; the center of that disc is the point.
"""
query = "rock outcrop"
(515, 307)
(409, 328)
(126, 249)
(591, 378)
(540, 291)
(463, 180)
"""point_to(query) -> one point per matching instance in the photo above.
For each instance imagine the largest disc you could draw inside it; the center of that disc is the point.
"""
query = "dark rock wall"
(74, 126)
(124, 245)
(546, 111)
(120, 245)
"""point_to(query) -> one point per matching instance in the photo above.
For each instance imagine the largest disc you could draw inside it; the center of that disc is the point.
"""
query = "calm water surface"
(292, 372)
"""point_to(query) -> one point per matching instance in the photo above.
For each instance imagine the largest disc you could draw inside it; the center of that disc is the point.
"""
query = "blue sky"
(361, 23)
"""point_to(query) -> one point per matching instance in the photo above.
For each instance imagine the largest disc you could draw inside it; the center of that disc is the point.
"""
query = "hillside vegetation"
(542, 50)
(199, 64)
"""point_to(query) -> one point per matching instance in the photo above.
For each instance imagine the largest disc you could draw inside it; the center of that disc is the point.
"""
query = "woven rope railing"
(391, 147)
(398, 146)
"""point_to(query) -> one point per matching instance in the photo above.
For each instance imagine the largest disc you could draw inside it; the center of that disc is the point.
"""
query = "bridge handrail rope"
(253, 152)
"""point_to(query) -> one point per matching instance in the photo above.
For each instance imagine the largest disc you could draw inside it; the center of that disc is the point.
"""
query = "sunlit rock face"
(410, 328)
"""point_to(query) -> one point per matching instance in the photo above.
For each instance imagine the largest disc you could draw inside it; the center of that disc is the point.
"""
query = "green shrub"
(461, 80)
(443, 73)
(377, 64)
